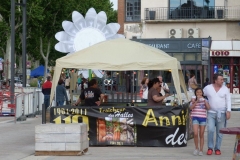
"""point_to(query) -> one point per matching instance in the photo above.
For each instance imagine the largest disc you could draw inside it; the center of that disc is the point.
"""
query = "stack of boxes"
(61, 137)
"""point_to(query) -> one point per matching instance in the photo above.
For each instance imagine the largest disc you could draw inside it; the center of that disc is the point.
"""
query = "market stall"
(149, 126)
(121, 55)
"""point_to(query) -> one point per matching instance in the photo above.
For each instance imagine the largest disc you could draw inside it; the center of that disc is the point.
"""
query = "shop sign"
(174, 45)
(194, 45)
(28, 72)
(205, 63)
(220, 53)
(205, 53)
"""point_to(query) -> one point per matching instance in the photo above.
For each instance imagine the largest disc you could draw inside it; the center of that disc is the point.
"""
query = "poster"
(129, 126)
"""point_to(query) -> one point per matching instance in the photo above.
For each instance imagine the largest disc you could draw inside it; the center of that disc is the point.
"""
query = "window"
(190, 56)
(184, 9)
(189, 3)
(133, 10)
(179, 56)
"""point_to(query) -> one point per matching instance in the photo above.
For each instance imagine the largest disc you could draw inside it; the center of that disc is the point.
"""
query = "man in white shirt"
(220, 108)
(164, 86)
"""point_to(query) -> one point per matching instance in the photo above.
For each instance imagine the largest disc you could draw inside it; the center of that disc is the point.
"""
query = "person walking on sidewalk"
(46, 90)
(220, 108)
(199, 107)
(61, 94)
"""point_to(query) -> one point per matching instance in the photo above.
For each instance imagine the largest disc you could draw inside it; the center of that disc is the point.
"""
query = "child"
(199, 116)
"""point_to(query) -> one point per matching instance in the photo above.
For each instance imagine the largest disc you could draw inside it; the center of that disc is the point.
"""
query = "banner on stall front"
(134, 126)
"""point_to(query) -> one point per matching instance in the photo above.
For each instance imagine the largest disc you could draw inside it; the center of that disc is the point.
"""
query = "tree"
(44, 20)
(54, 13)
(5, 28)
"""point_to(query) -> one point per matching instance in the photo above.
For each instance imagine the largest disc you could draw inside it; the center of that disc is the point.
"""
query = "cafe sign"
(177, 45)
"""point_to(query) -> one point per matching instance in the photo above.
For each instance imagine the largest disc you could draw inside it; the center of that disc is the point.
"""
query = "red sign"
(28, 64)
(220, 53)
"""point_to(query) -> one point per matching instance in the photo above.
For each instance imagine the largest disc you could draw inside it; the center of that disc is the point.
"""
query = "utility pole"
(12, 50)
(13, 4)
(24, 39)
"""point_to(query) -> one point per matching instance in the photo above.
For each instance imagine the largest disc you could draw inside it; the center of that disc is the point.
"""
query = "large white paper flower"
(82, 33)
(85, 32)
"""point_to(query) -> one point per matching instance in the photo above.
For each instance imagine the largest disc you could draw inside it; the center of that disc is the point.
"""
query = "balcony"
(192, 13)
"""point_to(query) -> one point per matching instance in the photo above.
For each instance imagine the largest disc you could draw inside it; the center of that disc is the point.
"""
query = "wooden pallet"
(60, 153)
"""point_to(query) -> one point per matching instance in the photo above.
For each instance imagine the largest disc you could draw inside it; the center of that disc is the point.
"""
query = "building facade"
(182, 19)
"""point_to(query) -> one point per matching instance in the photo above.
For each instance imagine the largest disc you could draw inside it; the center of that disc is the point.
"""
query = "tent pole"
(89, 74)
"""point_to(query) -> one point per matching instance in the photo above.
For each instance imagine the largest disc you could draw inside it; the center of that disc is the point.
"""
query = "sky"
(115, 4)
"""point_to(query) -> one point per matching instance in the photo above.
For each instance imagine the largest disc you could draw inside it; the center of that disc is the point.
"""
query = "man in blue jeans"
(220, 108)
(46, 90)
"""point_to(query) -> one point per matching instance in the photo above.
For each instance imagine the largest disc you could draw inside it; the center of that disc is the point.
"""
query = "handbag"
(193, 86)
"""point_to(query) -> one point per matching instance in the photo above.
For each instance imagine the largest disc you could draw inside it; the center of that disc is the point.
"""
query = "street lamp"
(13, 4)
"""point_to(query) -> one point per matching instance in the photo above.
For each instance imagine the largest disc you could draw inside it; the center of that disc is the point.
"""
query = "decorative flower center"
(87, 37)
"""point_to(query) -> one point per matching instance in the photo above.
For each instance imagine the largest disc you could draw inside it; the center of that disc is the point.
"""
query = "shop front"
(187, 51)
(225, 60)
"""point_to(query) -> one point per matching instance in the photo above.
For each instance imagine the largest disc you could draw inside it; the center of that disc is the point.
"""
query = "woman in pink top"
(199, 108)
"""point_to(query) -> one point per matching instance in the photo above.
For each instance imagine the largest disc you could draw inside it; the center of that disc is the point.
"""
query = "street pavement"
(17, 142)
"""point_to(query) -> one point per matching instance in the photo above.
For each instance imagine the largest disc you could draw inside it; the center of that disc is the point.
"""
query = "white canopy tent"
(121, 55)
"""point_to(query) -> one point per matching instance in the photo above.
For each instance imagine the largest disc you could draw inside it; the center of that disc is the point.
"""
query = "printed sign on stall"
(129, 126)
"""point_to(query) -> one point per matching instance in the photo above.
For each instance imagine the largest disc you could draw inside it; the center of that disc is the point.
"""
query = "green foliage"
(44, 20)
(33, 82)
(5, 27)
(40, 78)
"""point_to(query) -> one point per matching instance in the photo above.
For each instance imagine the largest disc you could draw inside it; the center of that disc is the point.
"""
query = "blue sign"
(215, 69)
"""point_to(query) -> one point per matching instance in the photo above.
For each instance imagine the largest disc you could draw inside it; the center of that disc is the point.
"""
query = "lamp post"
(24, 35)
(209, 61)
(13, 4)
(12, 49)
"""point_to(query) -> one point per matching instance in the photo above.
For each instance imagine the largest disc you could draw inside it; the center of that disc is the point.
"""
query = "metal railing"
(28, 102)
(178, 13)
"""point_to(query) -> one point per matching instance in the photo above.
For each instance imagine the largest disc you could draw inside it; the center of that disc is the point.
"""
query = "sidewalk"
(5, 119)
(17, 142)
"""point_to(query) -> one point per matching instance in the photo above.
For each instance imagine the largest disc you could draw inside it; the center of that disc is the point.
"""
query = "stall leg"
(236, 152)
(43, 114)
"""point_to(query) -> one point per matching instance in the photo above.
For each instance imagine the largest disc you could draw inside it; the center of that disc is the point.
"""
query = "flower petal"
(116, 36)
(64, 48)
(111, 29)
(78, 20)
(90, 18)
(69, 28)
(101, 20)
(64, 37)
